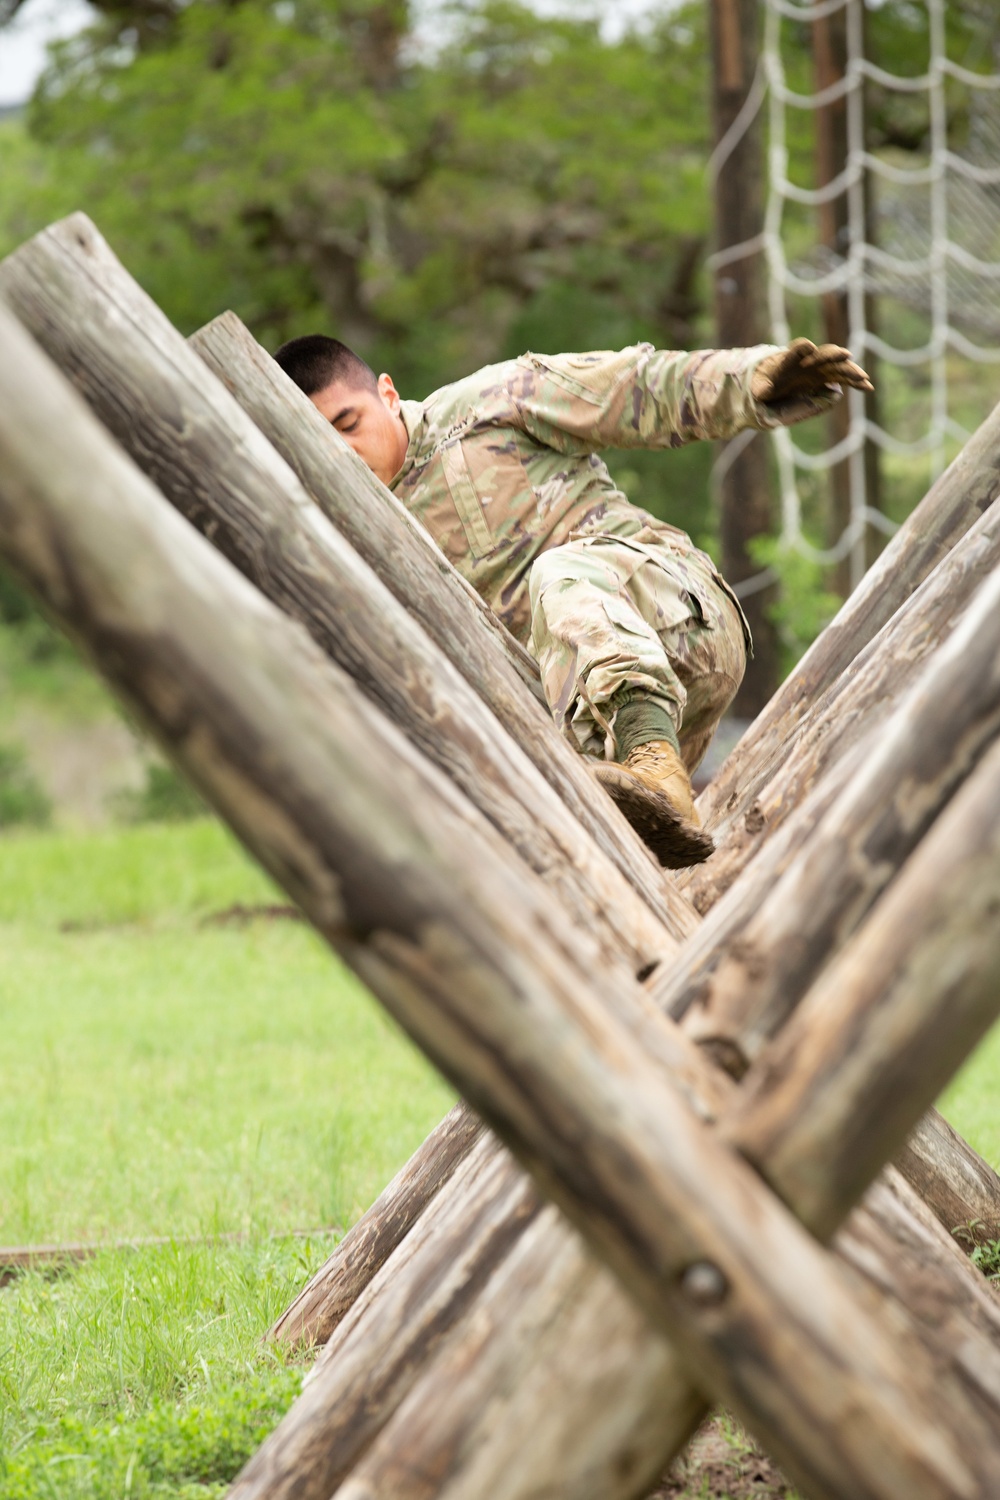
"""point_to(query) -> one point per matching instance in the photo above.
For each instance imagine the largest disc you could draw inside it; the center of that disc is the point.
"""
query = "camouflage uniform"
(502, 468)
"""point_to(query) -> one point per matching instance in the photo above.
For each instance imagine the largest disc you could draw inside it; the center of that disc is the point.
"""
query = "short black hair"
(315, 361)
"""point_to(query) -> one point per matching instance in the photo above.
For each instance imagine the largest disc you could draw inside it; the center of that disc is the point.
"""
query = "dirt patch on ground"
(722, 1462)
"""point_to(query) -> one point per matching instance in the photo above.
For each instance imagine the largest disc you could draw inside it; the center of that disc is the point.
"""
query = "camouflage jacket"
(504, 464)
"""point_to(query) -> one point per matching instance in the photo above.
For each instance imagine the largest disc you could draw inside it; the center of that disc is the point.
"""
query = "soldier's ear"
(389, 394)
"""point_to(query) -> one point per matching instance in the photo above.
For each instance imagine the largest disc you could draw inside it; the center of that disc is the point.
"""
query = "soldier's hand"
(805, 369)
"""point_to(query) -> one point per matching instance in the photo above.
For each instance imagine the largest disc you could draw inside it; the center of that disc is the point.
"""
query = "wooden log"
(960, 1189)
(857, 702)
(893, 785)
(888, 1021)
(53, 1260)
(359, 1381)
(473, 955)
(331, 1293)
(896, 1242)
(470, 1426)
(967, 488)
(211, 461)
(359, 506)
(551, 1325)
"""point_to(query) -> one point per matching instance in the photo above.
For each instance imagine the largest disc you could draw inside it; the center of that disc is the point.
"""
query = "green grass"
(972, 1100)
(162, 1073)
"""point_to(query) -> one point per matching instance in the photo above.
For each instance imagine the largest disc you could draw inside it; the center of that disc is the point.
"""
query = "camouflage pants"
(612, 616)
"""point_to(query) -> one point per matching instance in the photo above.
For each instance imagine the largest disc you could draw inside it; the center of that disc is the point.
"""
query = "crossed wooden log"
(546, 1306)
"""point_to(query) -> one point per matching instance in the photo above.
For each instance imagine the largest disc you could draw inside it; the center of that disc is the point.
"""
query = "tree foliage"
(305, 164)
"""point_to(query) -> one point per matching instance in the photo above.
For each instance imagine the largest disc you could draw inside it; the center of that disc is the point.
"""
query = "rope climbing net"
(952, 284)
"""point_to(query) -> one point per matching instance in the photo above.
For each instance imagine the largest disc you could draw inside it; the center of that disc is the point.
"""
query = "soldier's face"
(369, 421)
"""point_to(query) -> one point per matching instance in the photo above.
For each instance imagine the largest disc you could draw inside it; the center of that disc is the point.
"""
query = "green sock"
(640, 720)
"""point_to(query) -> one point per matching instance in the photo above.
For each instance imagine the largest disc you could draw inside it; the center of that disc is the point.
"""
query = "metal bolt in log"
(704, 1285)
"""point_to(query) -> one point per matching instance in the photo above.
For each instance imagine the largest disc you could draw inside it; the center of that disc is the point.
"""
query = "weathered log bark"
(896, 1242)
(888, 1021)
(359, 506)
(331, 1293)
(923, 971)
(551, 1324)
(967, 488)
(552, 1320)
(959, 1188)
(734, 997)
(473, 955)
(857, 702)
(437, 1274)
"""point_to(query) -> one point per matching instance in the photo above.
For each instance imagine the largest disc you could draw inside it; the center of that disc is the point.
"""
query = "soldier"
(640, 643)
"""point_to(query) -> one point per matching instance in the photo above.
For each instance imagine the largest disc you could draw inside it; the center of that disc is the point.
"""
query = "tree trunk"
(473, 955)
(830, 54)
(829, 42)
(746, 497)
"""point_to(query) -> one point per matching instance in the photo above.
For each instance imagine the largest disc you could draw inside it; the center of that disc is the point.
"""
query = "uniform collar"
(412, 413)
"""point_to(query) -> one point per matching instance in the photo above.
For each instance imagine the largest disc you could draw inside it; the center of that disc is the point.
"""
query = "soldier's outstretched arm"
(643, 397)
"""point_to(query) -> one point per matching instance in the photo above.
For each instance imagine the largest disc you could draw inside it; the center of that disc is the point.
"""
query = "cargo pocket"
(466, 501)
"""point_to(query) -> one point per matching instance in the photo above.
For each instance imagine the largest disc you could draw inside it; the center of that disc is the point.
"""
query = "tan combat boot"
(653, 789)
